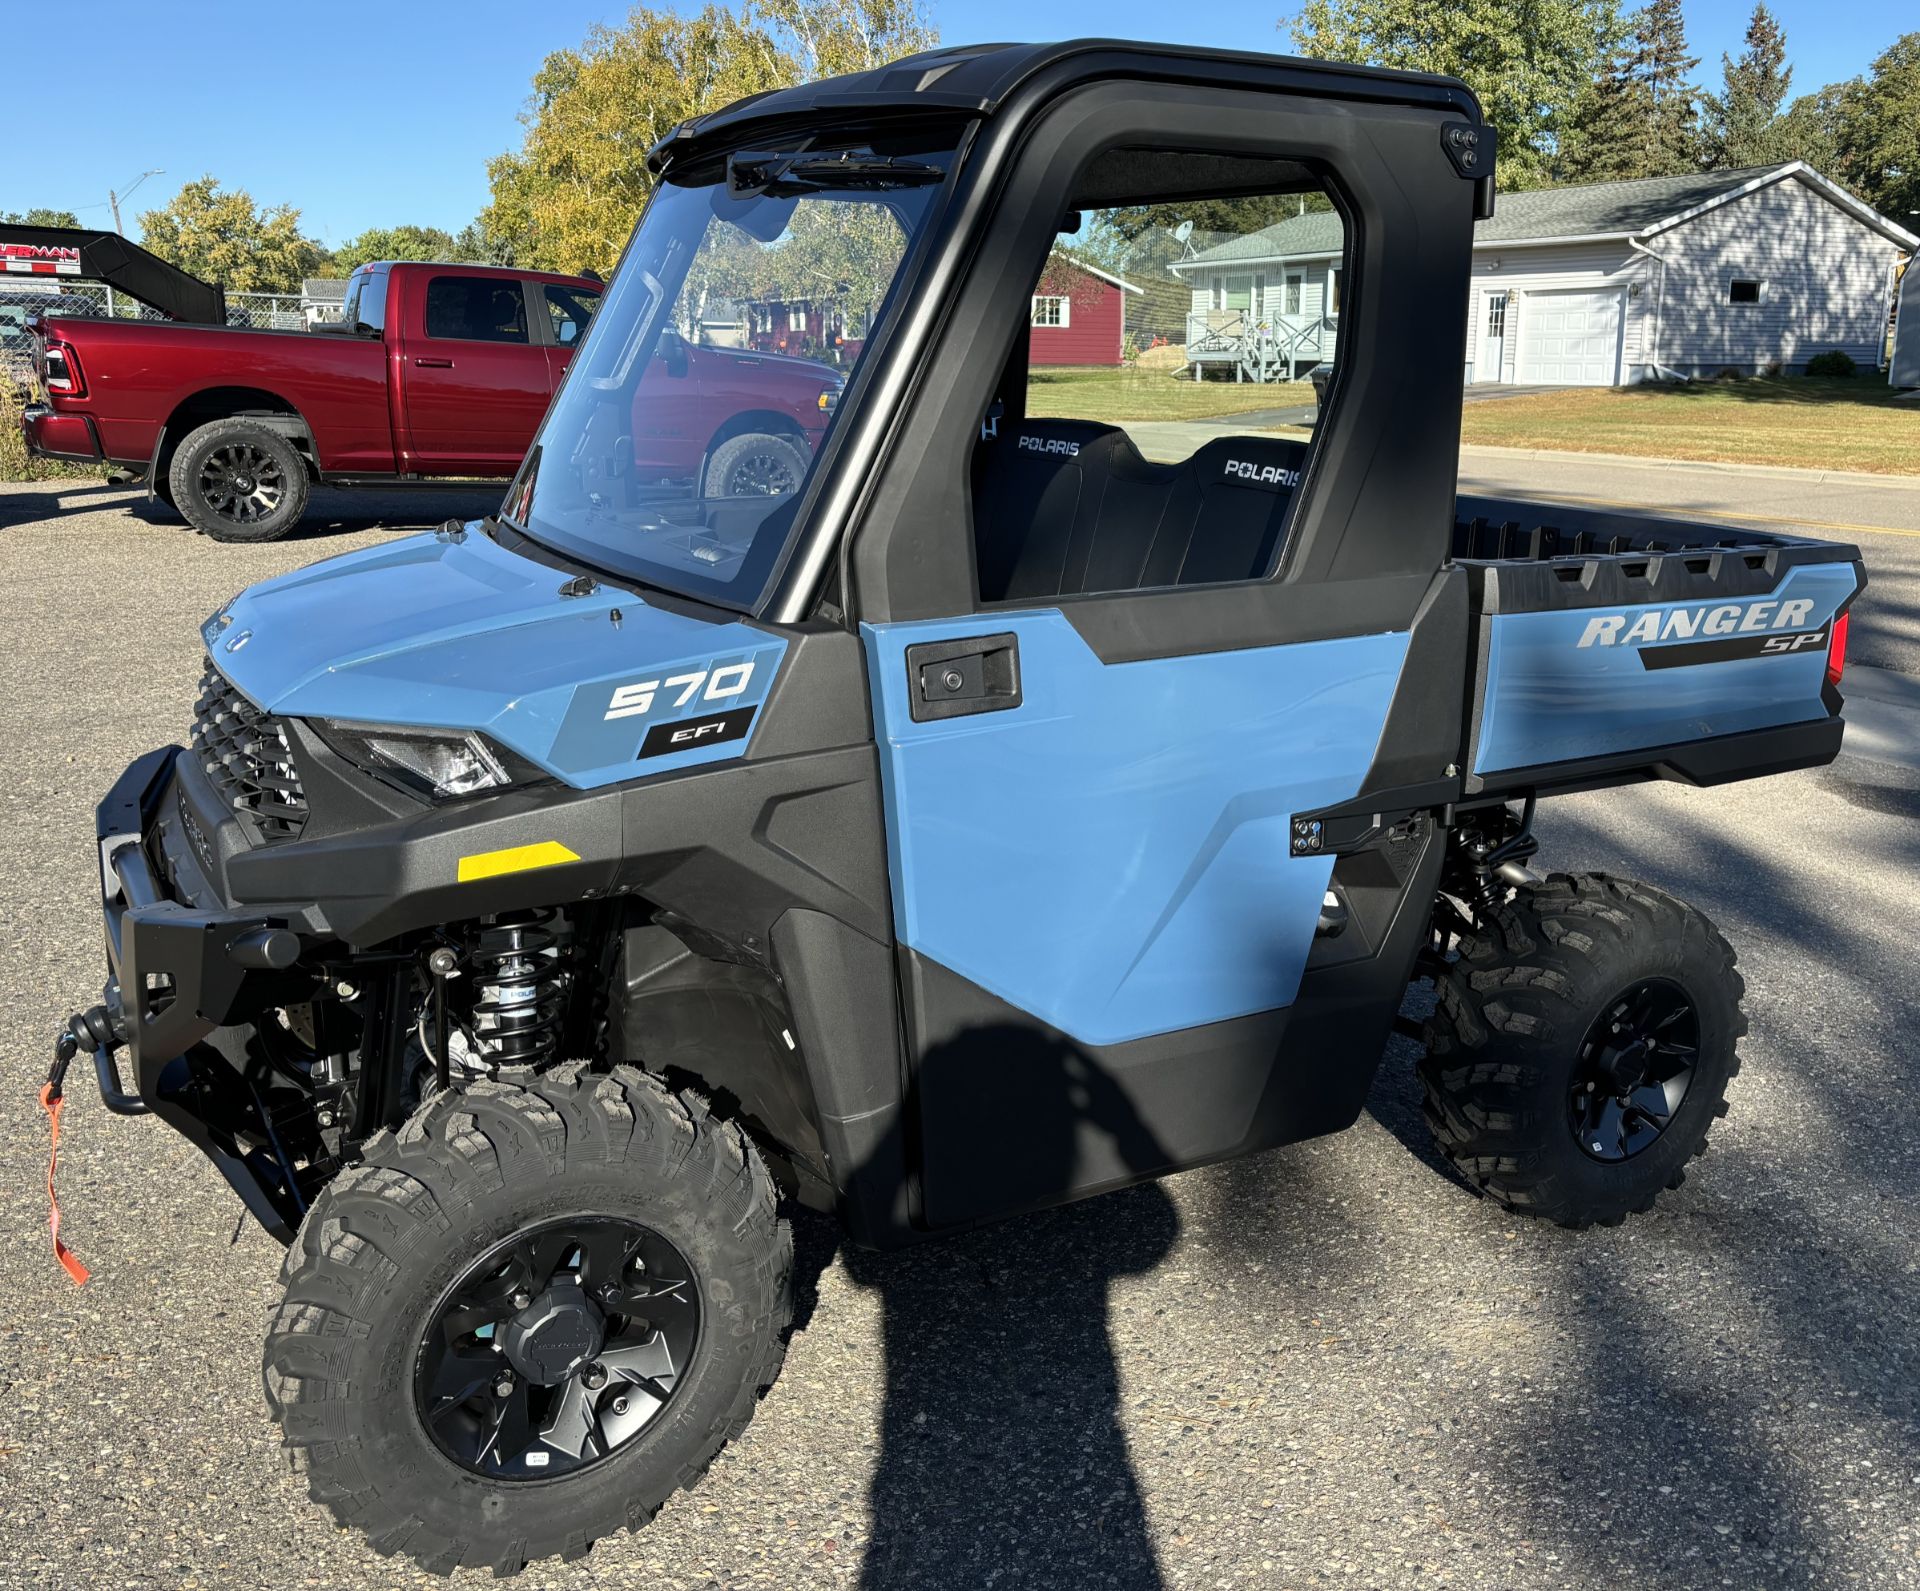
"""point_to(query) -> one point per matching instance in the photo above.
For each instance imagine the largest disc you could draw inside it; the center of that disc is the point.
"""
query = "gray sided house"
(1599, 285)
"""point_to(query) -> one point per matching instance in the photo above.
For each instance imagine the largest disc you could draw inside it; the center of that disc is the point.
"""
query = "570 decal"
(631, 701)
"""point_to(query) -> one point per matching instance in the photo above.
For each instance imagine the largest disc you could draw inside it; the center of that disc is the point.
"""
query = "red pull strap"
(52, 1103)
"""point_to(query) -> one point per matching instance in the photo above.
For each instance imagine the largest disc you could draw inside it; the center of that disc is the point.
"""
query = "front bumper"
(181, 976)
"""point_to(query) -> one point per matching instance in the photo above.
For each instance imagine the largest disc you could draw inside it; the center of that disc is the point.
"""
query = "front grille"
(247, 759)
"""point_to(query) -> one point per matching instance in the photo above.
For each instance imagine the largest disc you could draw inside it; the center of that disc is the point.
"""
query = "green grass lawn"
(1839, 425)
(1114, 395)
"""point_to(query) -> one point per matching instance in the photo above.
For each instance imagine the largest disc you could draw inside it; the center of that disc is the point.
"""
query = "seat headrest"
(1267, 463)
(1052, 438)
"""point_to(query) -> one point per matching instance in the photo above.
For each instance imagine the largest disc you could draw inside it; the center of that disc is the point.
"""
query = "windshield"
(690, 419)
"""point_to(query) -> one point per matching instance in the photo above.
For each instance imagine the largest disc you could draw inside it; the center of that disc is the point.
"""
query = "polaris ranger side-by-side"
(1013, 807)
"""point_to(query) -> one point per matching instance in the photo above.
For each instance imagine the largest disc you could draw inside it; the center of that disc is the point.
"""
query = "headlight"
(440, 763)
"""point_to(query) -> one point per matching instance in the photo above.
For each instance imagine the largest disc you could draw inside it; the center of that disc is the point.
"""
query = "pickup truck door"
(474, 377)
(668, 408)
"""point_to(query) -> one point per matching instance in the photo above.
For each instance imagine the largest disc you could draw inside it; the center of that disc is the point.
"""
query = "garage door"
(1570, 339)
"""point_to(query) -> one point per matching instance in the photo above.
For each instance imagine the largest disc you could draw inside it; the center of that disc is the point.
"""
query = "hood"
(456, 632)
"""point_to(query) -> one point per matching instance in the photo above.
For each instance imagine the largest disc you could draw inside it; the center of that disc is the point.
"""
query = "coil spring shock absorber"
(520, 984)
(1494, 860)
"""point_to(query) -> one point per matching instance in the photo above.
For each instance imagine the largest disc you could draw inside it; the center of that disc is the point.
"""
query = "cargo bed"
(1609, 647)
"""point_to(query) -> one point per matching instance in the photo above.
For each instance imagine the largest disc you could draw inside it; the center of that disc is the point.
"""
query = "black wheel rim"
(760, 475)
(242, 483)
(1635, 1067)
(557, 1347)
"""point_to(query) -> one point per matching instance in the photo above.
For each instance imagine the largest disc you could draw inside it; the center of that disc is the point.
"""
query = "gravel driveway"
(1326, 1366)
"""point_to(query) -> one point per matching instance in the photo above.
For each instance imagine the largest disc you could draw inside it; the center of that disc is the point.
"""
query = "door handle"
(950, 679)
(435, 364)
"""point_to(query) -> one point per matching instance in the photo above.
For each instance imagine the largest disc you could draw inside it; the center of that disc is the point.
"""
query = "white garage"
(1750, 272)
(1571, 338)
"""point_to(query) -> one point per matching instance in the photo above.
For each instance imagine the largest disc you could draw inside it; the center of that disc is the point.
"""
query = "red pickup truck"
(435, 373)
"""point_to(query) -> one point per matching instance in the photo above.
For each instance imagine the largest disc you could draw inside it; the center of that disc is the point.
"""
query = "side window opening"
(1154, 419)
(477, 309)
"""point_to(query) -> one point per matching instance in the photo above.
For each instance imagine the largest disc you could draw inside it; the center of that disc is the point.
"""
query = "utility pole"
(113, 199)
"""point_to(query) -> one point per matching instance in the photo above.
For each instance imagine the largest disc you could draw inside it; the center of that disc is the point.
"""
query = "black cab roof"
(982, 79)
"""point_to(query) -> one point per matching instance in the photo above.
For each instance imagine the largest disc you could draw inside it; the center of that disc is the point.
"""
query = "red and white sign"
(32, 259)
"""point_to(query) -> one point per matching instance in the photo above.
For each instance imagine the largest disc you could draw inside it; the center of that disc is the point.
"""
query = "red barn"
(1078, 314)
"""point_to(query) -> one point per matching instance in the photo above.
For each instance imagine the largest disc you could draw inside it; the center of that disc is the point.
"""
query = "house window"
(1743, 290)
(1497, 316)
(1052, 310)
(796, 319)
(1333, 291)
(1291, 301)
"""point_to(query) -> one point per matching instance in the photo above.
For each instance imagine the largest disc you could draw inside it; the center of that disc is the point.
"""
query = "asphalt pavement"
(1325, 1366)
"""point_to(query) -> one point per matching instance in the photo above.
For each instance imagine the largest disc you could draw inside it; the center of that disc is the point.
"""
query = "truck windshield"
(689, 421)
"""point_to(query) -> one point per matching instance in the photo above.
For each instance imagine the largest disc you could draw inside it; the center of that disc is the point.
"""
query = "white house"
(1598, 285)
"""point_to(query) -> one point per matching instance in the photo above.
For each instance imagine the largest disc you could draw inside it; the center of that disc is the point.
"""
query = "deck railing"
(1266, 348)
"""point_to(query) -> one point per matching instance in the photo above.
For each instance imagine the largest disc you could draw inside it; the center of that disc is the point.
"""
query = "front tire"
(1581, 1048)
(756, 464)
(474, 1367)
(238, 480)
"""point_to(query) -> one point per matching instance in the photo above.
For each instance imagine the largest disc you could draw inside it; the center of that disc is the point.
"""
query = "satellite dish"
(1183, 231)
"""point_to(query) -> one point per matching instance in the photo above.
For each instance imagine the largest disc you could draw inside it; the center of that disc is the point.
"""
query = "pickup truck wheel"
(1581, 1048)
(238, 481)
(527, 1318)
(756, 464)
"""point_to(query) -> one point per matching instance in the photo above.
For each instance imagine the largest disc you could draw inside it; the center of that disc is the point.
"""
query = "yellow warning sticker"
(514, 859)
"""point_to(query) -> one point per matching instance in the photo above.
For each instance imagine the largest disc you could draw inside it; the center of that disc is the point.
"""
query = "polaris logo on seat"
(1050, 444)
(1262, 474)
(1682, 624)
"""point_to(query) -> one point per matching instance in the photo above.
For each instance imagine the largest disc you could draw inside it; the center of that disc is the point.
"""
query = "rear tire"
(384, 1269)
(1537, 1088)
(238, 480)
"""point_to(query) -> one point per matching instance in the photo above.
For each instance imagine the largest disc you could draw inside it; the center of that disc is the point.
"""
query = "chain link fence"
(258, 311)
(21, 300)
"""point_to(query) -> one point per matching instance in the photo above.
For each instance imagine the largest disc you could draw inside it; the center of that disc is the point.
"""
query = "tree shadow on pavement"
(1721, 1392)
(38, 500)
(1002, 1456)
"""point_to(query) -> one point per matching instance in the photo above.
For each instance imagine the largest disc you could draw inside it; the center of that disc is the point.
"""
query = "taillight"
(1837, 651)
(63, 375)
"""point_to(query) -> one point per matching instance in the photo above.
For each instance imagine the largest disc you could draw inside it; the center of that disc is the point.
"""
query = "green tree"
(1640, 116)
(1673, 134)
(39, 215)
(1811, 129)
(1236, 216)
(1743, 122)
(568, 197)
(226, 238)
(1527, 60)
(1878, 127)
(396, 243)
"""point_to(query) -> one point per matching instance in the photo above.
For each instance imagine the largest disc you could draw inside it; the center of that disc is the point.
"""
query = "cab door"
(1120, 664)
(474, 378)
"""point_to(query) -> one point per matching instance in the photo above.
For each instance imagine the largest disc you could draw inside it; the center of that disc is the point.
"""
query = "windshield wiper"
(784, 176)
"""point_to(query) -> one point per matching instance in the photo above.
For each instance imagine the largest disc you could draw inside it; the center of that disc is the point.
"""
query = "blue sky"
(371, 115)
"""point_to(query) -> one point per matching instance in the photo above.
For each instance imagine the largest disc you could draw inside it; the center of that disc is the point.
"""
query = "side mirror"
(673, 353)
